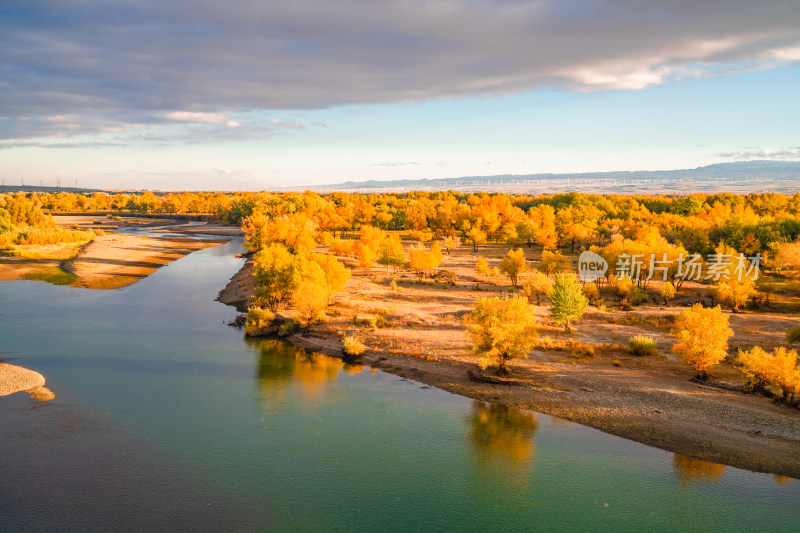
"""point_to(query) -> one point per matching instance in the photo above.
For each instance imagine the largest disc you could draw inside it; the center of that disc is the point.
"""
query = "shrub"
(352, 346)
(258, 321)
(642, 345)
(793, 335)
(287, 328)
(591, 291)
(637, 296)
(583, 350)
(421, 235)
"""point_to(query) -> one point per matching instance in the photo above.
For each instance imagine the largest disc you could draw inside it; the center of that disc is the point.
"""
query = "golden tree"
(474, 236)
(702, 335)
(311, 293)
(536, 286)
(274, 272)
(501, 329)
(450, 241)
(553, 262)
(513, 264)
(296, 232)
(424, 260)
(336, 274)
(482, 267)
(667, 292)
(778, 368)
(735, 285)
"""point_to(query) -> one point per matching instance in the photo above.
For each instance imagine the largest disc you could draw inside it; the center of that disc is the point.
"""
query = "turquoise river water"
(166, 419)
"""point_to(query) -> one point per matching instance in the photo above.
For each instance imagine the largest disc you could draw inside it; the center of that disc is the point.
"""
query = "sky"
(255, 94)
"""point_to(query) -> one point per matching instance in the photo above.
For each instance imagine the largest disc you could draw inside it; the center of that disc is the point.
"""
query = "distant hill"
(739, 177)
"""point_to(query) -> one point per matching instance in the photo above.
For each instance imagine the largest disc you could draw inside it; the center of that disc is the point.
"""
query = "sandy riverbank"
(646, 399)
(118, 260)
(111, 260)
(16, 379)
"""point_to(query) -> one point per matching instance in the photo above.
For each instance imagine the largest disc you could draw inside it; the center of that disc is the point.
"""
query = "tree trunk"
(502, 369)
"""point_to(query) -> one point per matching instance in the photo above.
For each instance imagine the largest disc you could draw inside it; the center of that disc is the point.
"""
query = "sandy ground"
(118, 260)
(111, 260)
(648, 399)
(15, 379)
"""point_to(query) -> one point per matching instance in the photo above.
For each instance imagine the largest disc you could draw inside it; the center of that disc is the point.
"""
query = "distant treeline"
(698, 222)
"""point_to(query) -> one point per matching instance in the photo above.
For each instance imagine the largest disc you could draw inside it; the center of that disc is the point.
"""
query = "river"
(166, 419)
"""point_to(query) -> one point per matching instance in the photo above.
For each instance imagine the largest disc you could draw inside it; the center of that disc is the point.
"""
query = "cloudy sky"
(253, 94)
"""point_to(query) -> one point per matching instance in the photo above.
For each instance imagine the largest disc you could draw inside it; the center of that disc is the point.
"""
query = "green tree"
(501, 329)
(567, 300)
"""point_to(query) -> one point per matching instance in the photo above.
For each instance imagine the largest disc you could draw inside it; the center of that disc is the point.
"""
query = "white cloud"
(754, 152)
(198, 117)
(398, 164)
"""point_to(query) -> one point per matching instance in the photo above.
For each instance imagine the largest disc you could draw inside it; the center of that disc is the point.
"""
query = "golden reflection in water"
(782, 480)
(283, 367)
(691, 470)
(501, 439)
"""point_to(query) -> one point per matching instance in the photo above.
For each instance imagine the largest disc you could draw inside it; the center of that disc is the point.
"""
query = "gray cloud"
(754, 152)
(116, 65)
(55, 144)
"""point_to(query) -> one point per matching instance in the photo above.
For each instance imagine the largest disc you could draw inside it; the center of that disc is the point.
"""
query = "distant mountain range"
(741, 177)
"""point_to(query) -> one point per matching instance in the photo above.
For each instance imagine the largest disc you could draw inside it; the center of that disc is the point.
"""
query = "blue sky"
(258, 95)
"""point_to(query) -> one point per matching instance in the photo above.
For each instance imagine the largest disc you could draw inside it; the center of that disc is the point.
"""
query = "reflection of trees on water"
(691, 470)
(501, 439)
(283, 367)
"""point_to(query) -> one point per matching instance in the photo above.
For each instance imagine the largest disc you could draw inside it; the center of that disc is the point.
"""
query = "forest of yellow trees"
(652, 244)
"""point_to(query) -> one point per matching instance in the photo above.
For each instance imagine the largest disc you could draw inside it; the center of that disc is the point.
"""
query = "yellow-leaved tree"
(702, 335)
(424, 260)
(501, 329)
(536, 286)
(336, 274)
(778, 368)
(735, 285)
(295, 231)
(513, 264)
